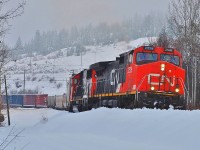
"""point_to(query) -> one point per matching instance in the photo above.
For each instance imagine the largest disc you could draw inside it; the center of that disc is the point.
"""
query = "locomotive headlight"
(162, 67)
(152, 88)
(177, 90)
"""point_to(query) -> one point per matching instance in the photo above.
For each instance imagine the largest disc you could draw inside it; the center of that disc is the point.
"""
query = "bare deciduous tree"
(163, 40)
(184, 21)
(5, 16)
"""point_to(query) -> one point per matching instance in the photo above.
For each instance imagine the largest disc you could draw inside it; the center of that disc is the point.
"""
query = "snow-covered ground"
(102, 129)
(48, 74)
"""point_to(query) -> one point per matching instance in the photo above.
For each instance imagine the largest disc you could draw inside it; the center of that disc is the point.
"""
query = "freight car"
(57, 102)
(146, 76)
(26, 100)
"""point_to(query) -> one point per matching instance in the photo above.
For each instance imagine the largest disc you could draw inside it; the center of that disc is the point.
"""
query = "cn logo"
(162, 79)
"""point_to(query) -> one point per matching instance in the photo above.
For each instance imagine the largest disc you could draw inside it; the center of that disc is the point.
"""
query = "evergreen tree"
(37, 42)
(19, 45)
(18, 49)
(101, 34)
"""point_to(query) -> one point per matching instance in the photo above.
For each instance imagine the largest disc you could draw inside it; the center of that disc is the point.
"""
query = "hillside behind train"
(49, 74)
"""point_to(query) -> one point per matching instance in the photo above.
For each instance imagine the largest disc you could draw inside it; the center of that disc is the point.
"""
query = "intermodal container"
(41, 100)
(29, 100)
(61, 102)
(16, 100)
(51, 102)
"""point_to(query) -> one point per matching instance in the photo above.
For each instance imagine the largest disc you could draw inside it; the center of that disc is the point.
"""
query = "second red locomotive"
(146, 76)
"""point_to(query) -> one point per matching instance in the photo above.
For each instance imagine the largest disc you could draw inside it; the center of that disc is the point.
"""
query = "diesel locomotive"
(147, 76)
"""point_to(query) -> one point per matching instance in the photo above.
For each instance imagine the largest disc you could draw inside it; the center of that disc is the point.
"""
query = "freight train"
(147, 76)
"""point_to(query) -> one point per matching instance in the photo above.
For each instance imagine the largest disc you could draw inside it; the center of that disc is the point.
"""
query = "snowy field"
(102, 129)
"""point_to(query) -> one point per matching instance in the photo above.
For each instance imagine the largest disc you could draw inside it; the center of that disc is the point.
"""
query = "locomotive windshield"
(143, 58)
(170, 58)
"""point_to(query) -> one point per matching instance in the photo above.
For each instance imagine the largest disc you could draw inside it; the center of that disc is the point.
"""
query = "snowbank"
(139, 129)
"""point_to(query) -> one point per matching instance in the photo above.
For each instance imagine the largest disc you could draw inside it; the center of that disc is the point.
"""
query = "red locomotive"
(146, 76)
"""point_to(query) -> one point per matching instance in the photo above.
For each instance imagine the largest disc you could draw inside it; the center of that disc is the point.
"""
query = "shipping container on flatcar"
(16, 100)
(41, 100)
(29, 100)
(60, 102)
(51, 101)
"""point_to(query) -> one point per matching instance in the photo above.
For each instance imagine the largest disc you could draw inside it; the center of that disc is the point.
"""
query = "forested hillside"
(101, 34)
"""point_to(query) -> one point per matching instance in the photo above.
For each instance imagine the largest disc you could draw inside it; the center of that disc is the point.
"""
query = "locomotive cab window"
(170, 58)
(143, 58)
(130, 58)
(75, 81)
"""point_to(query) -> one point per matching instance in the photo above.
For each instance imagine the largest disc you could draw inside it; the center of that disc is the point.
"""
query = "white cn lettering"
(153, 75)
(163, 77)
(114, 77)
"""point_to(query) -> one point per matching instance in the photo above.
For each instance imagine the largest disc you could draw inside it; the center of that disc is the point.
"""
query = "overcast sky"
(57, 14)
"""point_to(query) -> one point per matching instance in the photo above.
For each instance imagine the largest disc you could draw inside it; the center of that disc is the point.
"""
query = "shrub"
(34, 78)
(52, 79)
(17, 84)
(59, 85)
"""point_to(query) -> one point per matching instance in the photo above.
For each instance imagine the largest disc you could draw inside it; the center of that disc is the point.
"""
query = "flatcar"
(147, 76)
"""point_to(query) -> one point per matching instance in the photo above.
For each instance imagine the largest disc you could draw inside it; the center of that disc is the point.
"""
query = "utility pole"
(24, 82)
(95, 56)
(188, 84)
(67, 94)
(8, 112)
(53, 66)
(31, 62)
(1, 102)
(81, 60)
(195, 79)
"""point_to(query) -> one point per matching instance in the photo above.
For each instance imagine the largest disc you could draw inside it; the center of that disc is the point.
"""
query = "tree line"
(101, 34)
(184, 22)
